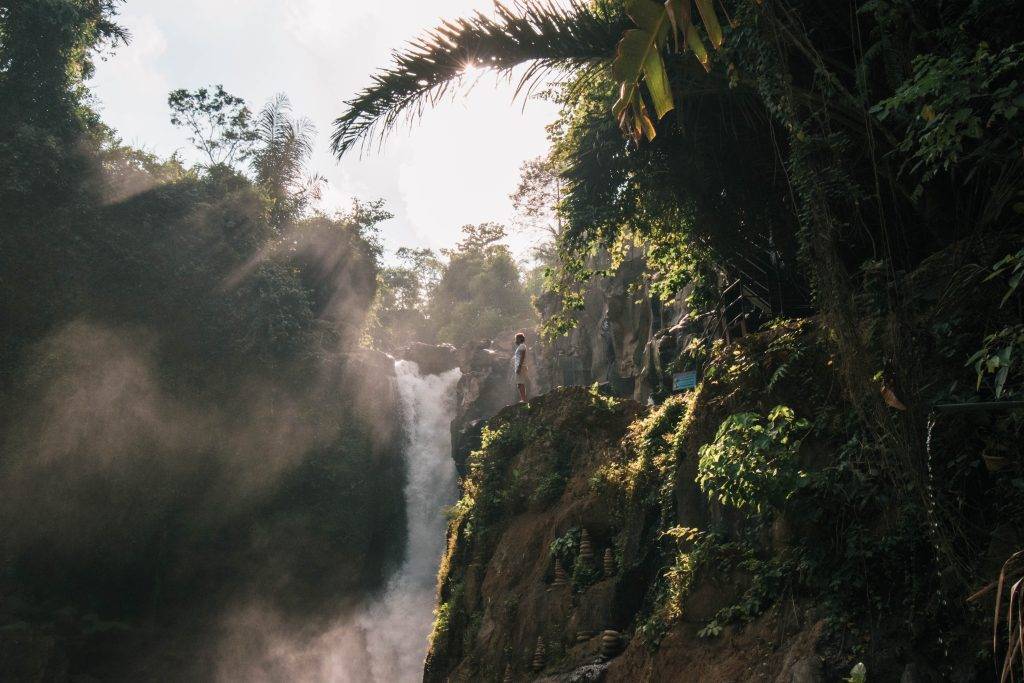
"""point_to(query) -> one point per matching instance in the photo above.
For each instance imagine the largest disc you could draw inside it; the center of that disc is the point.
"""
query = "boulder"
(588, 673)
(806, 670)
(432, 359)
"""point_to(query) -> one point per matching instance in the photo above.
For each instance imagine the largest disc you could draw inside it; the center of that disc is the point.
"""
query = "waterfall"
(384, 641)
(397, 626)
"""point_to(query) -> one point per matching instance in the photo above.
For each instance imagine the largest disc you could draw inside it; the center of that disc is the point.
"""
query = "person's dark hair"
(520, 338)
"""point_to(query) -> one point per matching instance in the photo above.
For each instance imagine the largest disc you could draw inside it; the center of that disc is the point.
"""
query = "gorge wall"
(744, 530)
(599, 539)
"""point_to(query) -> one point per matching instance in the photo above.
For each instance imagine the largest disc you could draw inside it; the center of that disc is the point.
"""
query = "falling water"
(386, 640)
(397, 626)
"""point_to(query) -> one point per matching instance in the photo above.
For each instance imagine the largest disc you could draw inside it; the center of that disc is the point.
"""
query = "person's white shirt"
(518, 358)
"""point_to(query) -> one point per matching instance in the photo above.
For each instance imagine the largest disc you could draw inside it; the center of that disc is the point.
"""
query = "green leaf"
(1014, 283)
(638, 55)
(630, 55)
(1001, 379)
(656, 80)
(697, 45)
(648, 15)
(710, 19)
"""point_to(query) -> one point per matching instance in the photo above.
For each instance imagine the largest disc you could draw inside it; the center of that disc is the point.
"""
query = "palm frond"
(545, 36)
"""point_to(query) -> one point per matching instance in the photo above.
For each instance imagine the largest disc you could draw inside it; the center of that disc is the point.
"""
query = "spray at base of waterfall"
(384, 641)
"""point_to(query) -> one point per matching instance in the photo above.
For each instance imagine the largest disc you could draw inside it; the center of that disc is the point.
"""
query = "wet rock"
(806, 670)
(432, 359)
(485, 386)
(465, 440)
(589, 673)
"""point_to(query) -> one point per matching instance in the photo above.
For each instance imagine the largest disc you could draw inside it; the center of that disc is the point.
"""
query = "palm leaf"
(544, 36)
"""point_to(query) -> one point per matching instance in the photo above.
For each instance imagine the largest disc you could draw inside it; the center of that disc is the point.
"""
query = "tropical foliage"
(173, 339)
(471, 293)
(859, 162)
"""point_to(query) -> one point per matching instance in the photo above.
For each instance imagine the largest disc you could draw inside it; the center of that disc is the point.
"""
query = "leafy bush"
(564, 547)
(548, 489)
(996, 356)
(753, 460)
(694, 548)
(653, 444)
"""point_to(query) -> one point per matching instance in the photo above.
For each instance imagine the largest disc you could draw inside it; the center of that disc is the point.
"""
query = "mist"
(210, 469)
(385, 638)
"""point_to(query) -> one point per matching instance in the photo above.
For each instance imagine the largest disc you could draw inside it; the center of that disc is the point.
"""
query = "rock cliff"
(597, 539)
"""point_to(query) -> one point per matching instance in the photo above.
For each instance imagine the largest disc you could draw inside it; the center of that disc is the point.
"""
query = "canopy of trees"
(471, 293)
(856, 161)
(171, 436)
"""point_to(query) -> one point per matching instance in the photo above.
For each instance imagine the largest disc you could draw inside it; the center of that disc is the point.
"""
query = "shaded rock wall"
(614, 341)
(542, 478)
(498, 582)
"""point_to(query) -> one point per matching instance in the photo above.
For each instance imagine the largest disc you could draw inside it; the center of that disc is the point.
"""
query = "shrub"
(753, 459)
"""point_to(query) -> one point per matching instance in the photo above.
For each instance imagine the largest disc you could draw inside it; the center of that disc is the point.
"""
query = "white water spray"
(385, 641)
(398, 625)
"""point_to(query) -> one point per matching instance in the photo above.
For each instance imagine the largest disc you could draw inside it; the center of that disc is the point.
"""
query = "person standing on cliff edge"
(519, 366)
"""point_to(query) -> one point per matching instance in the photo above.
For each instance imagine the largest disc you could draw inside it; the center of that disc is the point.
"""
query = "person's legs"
(522, 392)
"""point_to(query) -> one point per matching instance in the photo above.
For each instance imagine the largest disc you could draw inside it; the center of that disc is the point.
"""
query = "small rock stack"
(538, 654)
(560, 575)
(586, 549)
(611, 644)
(609, 563)
(507, 678)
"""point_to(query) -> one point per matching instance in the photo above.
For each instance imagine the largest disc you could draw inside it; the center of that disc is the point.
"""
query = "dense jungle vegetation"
(172, 449)
(196, 456)
(178, 468)
(858, 164)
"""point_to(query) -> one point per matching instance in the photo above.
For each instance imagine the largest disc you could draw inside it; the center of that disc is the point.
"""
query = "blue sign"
(681, 381)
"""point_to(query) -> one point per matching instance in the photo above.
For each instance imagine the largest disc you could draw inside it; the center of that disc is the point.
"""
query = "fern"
(783, 370)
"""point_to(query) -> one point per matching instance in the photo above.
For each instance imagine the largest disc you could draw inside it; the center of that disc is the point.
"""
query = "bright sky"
(455, 166)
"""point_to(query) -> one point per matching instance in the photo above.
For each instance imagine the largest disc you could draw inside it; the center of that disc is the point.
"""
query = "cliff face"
(596, 540)
(610, 341)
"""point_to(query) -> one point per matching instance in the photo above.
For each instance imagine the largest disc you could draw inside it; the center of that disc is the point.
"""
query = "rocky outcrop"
(627, 339)
(612, 341)
(486, 384)
(585, 549)
(432, 359)
(485, 388)
(502, 596)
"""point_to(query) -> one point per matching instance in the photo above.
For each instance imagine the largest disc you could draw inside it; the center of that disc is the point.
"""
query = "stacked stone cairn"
(507, 678)
(584, 636)
(538, 654)
(586, 549)
(611, 644)
(560, 575)
(609, 563)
